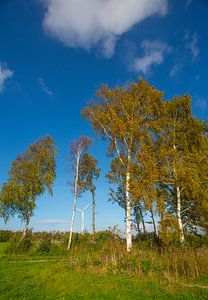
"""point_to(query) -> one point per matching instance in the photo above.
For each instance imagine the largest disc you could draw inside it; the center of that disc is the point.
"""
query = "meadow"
(101, 270)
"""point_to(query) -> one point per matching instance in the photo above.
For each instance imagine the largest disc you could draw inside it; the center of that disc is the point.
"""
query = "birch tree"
(30, 175)
(144, 181)
(194, 178)
(89, 172)
(77, 150)
(182, 157)
(115, 176)
(124, 116)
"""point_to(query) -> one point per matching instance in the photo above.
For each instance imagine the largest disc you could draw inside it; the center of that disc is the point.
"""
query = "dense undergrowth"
(107, 255)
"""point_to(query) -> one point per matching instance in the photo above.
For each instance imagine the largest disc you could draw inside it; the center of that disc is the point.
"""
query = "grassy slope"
(59, 281)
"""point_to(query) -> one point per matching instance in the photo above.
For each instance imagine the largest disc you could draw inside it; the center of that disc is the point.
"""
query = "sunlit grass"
(60, 281)
(102, 270)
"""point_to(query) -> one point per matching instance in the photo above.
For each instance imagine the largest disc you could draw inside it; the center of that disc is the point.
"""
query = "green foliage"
(169, 232)
(181, 149)
(17, 246)
(5, 235)
(30, 175)
(43, 247)
(196, 240)
(88, 172)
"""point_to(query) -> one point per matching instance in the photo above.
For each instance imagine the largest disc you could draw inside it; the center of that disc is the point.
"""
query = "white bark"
(75, 200)
(128, 210)
(178, 204)
(83, 217)
(93, 215)
(25, 230)
(178, 212)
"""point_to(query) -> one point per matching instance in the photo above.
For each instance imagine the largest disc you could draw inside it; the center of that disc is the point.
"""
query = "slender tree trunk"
(75, 201)
(72, 221)
(178, 205)
(153, 221)
(142, 219)
(128, 210)
(83, 221)
(137, 219)
(93, 215)
(25, 230)
(178, 213)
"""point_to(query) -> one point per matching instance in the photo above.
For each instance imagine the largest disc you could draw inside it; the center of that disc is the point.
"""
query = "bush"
(43, 247)
(5, 235)
(196, 240)
(17, 246)
(169, 232)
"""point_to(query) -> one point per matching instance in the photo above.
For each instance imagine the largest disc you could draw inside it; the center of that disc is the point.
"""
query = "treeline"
(159, 164)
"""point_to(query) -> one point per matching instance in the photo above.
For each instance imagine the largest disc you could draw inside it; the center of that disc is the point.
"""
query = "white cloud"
(5, 74)
(186, 53)
(202, 103)
(44, 87)
(175, 69)
(188, 2)
(191, 43)
(91, 23)
(50, 222)
(154, 54)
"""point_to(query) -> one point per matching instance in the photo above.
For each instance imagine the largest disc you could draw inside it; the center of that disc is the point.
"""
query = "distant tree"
(30, 175)
(77, 150)
(88, 173)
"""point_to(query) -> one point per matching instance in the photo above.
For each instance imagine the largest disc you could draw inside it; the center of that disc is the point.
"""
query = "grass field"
(103, 271)
(2, 248)
(51, 280)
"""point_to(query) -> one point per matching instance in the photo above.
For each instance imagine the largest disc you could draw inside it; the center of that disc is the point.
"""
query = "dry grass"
(170, 265)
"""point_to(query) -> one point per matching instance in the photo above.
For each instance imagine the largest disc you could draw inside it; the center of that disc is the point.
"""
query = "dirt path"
(34, 261)
(195, 286)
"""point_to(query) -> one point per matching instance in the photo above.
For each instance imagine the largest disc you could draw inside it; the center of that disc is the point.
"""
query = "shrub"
(5, 235)
(42, 247)
(169, 230)
(196, 240)
(17, 246)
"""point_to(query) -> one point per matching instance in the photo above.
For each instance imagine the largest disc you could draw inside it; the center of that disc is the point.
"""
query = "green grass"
(103, 270)
(61, 281)
(3, 246)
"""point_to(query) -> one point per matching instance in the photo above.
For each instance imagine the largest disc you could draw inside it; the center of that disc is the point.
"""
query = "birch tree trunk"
(178, 213)
(75, 200)
(178, 204)
(142, 219)
(153, 222)
(83, 221)
(93, 215)
(137, 219)
(128, 209)
(25, 230)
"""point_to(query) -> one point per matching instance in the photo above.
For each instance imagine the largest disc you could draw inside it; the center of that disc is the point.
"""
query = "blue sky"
(53, 56)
